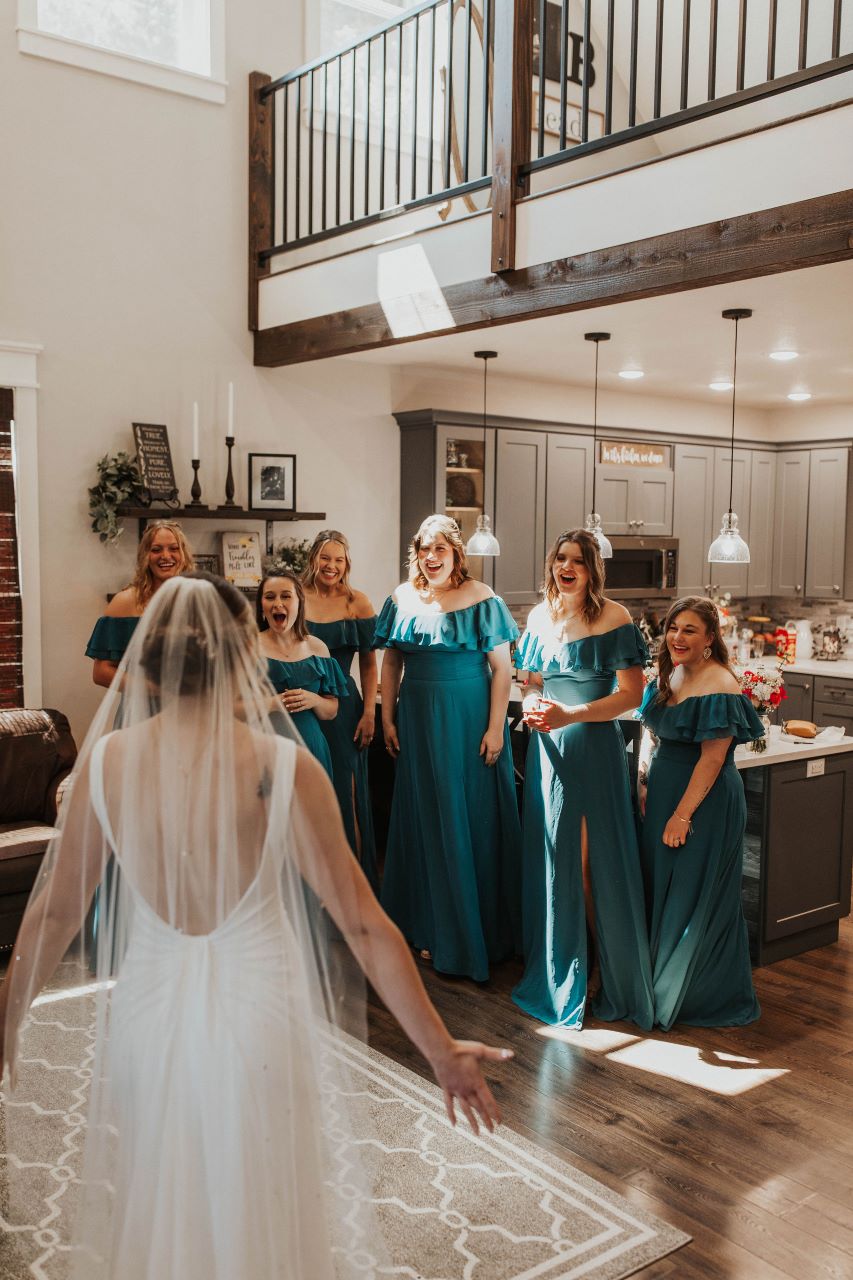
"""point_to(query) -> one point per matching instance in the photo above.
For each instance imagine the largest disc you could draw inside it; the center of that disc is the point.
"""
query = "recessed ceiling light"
(721, 385)
(799, 395)
(784, 355)
(630, 374)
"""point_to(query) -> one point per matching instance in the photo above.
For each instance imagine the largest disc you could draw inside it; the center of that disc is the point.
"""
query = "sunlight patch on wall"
(410, 294)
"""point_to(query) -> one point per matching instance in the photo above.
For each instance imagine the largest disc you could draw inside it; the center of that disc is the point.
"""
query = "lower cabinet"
(799, 703)
(833, 703)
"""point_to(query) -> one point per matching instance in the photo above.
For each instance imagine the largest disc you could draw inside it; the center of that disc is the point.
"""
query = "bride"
(223, 1135)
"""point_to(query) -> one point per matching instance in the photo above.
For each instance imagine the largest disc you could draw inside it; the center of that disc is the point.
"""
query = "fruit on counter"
(799, 728)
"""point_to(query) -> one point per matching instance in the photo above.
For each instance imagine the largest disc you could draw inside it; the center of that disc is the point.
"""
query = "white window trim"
(125, 66)
(19, 370)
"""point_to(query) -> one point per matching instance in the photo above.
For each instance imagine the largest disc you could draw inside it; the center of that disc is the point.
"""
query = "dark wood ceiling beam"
(807, 233)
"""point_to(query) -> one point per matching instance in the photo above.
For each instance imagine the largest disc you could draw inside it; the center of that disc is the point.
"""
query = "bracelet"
(687, 821)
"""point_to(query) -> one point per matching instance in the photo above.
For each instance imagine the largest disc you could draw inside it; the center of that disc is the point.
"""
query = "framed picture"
(241, 559)
(210, 564)
(272, 481)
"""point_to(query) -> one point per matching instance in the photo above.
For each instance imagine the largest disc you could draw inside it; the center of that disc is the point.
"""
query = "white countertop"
(781, 750)
(841, 670)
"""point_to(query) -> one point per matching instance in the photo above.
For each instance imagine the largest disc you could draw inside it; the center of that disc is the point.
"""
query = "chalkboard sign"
(155, 463)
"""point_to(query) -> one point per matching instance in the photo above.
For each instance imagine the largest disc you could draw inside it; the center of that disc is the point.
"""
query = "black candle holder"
(195, 491)
(229, 478)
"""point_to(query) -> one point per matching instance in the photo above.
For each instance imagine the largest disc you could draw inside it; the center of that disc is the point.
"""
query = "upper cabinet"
(568, 485)
(827, 525)
(635, 499)
(693, 515)
(520, 514)
(736, 478)
(762, 504)
(791, 522)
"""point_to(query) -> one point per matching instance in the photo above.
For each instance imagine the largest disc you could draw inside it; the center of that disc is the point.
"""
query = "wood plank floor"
(758, 1168)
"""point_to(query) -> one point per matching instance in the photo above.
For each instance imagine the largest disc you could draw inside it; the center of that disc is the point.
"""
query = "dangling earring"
(706, 652)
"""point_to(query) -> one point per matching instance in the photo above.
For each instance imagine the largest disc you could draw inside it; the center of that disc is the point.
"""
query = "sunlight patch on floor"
(71, 993)
(727, 1074)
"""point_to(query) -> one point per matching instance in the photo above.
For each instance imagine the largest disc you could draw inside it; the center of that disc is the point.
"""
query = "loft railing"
(456, 96)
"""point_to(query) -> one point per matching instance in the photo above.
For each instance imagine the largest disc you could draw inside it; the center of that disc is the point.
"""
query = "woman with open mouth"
(163, 553)
(345, 620)
(306, 679)
(451, 879)
(694, 811)
(584, 661)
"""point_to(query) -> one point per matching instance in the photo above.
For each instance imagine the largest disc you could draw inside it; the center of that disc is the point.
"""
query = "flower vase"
(758, 745)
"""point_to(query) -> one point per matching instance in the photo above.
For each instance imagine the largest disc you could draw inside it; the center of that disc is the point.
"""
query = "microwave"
(642, 568)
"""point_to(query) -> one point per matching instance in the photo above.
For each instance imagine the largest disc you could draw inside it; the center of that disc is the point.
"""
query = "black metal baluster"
(564, 41)
(712, 53)
(658, 59)
(685, 54)
(741, 44)
(836, 29)
(298, 155)
(367, 133)
(382, 122)
(415, 70)
(608, 78)
(325, 138)
(399, 112)
(448, 95)
(804, 34)
(587, 51)
(771, 41)
(466, 120)
(487, 36)
(338, 146)
(284, 191)
(431, 143)
(273, 103)
(352, 140)
(632, 84)
(543, 17)
(311, 152)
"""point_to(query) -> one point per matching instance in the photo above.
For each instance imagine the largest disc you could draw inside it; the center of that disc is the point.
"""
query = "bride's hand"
(458, 1072)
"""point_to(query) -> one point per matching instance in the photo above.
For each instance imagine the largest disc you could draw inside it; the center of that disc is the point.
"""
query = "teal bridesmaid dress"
(571, 773)
(110, 637)
(344, 638)
(698, 936)
(317, 675)
(452, 863)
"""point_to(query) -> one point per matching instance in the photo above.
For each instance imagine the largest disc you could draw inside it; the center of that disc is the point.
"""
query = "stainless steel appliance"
(642, 568)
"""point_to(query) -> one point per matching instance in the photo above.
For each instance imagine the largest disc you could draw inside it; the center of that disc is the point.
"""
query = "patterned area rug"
(453, 1206)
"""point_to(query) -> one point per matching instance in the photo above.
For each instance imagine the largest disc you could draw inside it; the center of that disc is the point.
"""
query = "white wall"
(124, 232)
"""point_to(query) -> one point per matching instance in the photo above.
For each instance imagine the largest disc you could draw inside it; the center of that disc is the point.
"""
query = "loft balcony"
(475, 162)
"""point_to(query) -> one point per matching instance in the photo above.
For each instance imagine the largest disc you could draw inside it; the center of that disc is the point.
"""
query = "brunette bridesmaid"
(452, 866)
(694, 819)
(584, 661)
(163, 553)
(307, 680)
(345, 620)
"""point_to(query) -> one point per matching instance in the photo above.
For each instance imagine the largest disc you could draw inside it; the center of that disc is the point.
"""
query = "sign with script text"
(241, 559)
(155, 461)
(625, 453)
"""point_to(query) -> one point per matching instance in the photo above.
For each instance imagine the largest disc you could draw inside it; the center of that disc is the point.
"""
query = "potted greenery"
(292, 554)
(118, 481)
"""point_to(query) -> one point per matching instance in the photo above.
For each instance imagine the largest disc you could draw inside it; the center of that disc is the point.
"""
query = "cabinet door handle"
(798, 587)
(806, 687)
(835, 586)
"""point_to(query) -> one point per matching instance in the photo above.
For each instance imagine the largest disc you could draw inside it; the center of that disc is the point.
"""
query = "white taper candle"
(195, 429)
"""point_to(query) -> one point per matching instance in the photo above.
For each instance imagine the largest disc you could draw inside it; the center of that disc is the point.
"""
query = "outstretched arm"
(325, 860)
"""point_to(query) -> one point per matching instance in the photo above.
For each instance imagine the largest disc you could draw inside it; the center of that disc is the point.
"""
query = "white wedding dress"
(210, 1091)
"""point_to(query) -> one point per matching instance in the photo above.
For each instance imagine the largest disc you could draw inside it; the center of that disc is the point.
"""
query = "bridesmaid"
(308, 682)
(452, 864)
(694, 819)
(581, 860)
(162, 554)
(345, 620)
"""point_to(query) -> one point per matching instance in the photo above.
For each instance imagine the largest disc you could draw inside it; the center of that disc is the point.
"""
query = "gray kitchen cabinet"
(800, 700)
(568, 490)
(833, 703)
(827, 523)
(762, 504)
(693, 515)
(790, 522)
(635, 499)
(732, 577)
(520, 470)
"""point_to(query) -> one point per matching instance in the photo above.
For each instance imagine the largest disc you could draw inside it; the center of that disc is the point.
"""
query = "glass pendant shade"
(483, 542)
(593, 526)
(728, 547)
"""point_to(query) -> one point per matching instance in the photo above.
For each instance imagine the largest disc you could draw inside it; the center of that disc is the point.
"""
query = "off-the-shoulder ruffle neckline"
(595, 635)
(439, 613)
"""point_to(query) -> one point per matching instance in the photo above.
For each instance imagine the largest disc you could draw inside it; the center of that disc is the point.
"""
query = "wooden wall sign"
(620, 453)
(241, 559)
(155, 463)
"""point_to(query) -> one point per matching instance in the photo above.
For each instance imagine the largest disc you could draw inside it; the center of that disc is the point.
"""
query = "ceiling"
(680, 342)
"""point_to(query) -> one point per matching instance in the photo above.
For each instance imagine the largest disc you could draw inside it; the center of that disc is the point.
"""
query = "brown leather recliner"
(37, 753)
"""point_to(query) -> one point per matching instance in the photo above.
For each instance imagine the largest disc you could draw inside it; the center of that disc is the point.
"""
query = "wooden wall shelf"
(269, 516)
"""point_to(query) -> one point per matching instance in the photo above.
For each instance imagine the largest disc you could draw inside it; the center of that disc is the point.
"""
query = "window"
(342, 22)
(11, 648)
(171, 44)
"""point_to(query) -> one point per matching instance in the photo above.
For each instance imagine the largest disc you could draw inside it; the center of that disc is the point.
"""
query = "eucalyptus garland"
(119, 481)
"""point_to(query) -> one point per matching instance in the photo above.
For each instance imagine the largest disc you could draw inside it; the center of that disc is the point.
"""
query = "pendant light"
(729, 547)
(593, 520)
(483, 542)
